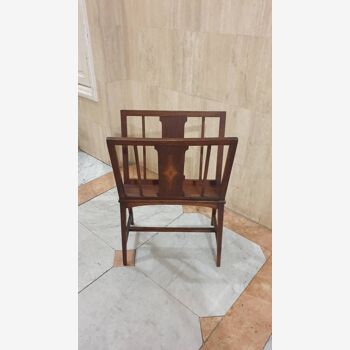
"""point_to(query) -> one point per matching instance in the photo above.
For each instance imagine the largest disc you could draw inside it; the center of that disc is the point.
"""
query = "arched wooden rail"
(172, 187)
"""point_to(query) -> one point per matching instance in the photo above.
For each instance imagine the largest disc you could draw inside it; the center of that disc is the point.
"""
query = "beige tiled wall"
(188, 54)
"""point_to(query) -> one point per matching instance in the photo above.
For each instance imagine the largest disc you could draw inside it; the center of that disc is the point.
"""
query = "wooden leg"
(219, 235)
(213, 213)
(123, 233)
(131, 214)
(213, 221)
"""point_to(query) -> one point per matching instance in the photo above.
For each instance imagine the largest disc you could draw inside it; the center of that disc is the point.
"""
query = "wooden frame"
(89, 91)
(171, 187)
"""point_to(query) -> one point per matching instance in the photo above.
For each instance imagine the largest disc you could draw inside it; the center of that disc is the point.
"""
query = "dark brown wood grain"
(172, 187)
(171, 161)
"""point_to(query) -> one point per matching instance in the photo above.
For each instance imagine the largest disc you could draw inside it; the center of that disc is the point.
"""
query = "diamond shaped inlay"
(170, 171)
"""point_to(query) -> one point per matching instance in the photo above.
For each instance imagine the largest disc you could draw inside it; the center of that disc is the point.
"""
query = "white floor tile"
(125, 310)
(101, 216)
(90, 168)
(95, 257)
(184, 264)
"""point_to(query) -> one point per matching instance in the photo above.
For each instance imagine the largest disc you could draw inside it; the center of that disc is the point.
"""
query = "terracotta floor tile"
(118, 258)
(104, 183)
(266, 270)
(260, 288)
(208, 324)
(95, 187)
(266, 252)
(249, 229)
(247, 325)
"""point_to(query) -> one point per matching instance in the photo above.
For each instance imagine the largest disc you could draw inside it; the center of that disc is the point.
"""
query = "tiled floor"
(268, 345)
(184, 265)
(95, 257)
(100, 215)
(167, 299)
(126, 310)
(247, 324)
(90, 168)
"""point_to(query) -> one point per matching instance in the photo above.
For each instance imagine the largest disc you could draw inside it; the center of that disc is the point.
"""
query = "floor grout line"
(114, 249)
(96, 195)
(200, 326)
(92, 232)
(95, 279)
(164, 288)
(179, 301)
(234, 230)
(157, 233)
(268, 339)
(175, 277)
(99, 160)
(251, 281)
(140, 270)
(159, 284)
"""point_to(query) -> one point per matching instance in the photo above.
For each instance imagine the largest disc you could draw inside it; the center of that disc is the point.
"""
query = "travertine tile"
(239, 122)
(210, 73)
(116, 102)
(187, 15)
(94, 19)
(207, 325)
(250, 73)
(199, 55)
(154, 14)
(251, 18)
(115, 53)
(92, 138)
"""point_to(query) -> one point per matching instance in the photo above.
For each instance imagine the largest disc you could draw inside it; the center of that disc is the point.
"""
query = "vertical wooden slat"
(201, 151)
(116, 171)
(228, 166)
(206, 167)
(124, 129)
(220, 153)
(138, 170)
(144, 147)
